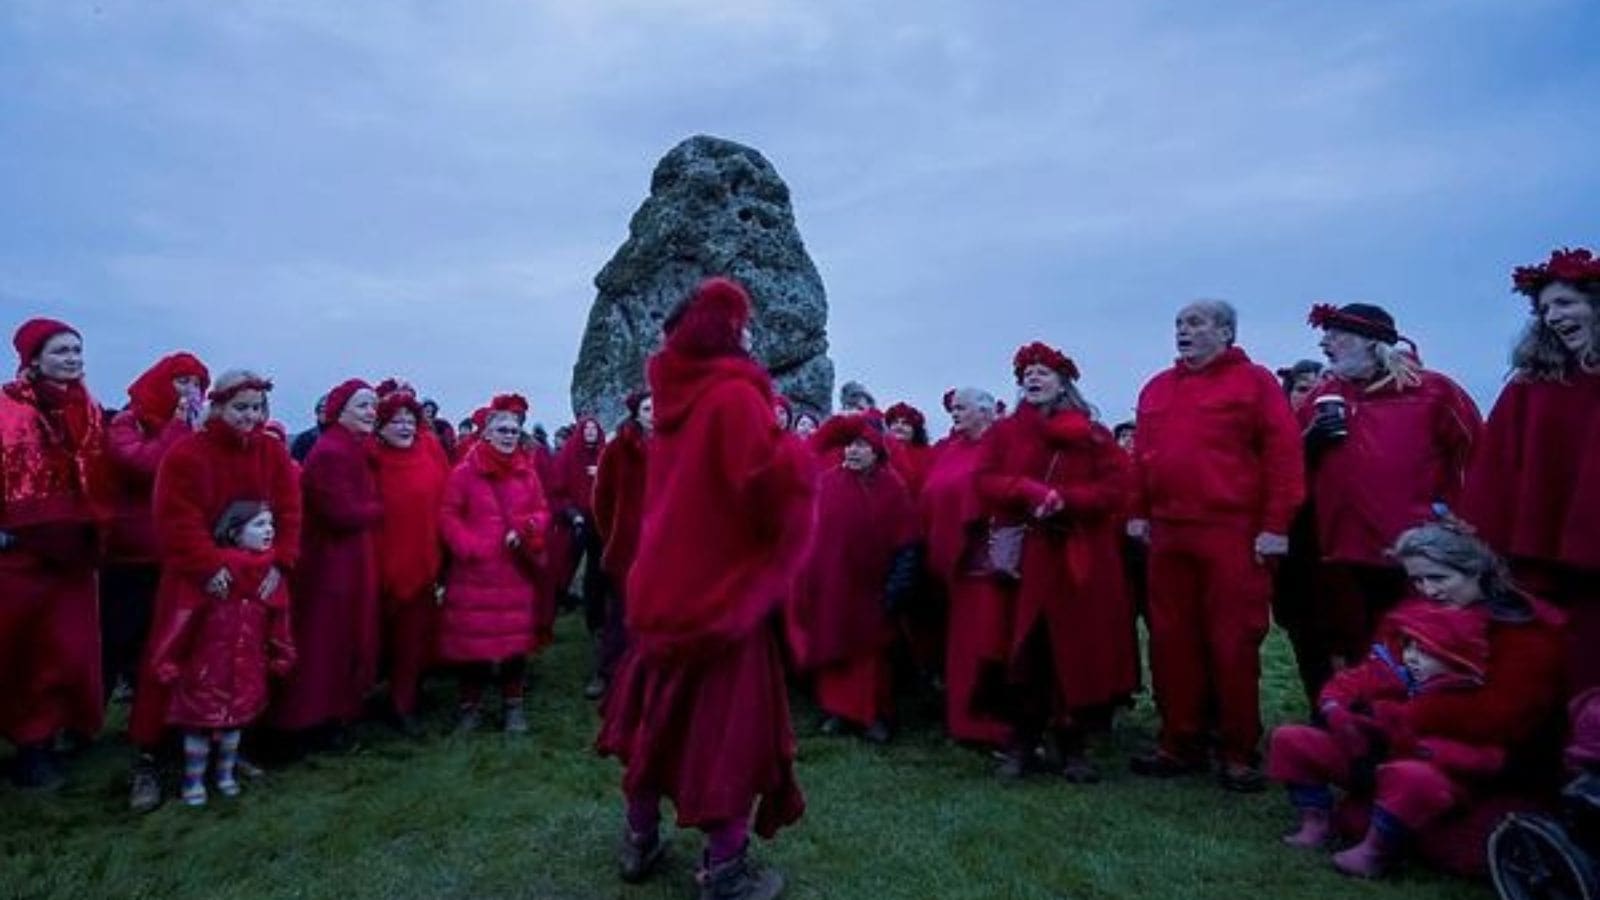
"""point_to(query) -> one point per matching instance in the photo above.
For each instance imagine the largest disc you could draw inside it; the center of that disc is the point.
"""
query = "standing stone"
(715, 208)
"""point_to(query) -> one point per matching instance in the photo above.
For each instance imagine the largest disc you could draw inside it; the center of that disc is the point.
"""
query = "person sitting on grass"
(218, 645)
(1447, 710)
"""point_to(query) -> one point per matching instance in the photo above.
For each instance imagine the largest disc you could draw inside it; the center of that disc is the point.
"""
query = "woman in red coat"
(494, 519)
(576, 465)
(231, 457)
(910, 454)
(956, 527)
(618, 509)
(411, 473)
(1533, 490)
(165, 404)
(1071, 655)
(861, 567)
(51, 485)
(699, 713)
(1428, 767)
(335, 590)
(218, 647)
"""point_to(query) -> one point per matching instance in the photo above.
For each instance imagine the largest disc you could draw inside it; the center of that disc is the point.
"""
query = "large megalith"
(715, 208)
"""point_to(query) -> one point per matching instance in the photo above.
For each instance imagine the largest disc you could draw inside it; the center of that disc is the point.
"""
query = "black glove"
(1326, 431)
(902, 579)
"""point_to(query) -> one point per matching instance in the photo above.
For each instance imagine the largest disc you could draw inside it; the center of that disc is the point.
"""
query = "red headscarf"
(152, 396)
(339, 397)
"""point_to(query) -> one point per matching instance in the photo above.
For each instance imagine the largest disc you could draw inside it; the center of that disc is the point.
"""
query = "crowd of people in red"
(1438, 574)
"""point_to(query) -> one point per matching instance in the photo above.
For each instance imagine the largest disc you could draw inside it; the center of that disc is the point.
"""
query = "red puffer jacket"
(1219, 446)
(490, 592)
(215, 654)
(1405, 450)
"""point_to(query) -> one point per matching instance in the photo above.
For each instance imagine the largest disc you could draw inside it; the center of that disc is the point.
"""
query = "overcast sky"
(324, 189)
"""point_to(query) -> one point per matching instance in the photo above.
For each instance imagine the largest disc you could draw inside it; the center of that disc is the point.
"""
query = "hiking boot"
(1077, 769)
(1241, 779)
(595, 688)
(738, 879)
(516, 720)
(878, 734)
(144, 785)
(1161, 764)
(468, 720)
(638, 855)
(35, 769)
(1316, 827)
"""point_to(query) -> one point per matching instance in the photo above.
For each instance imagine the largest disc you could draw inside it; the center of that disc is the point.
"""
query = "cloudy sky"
(324, 189)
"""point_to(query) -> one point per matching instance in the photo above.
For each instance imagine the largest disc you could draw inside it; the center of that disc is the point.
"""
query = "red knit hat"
(841, 431)
(1577, 267)
(907, 413)
(1459, 637)
(711, 321)
(32, 336)
(396, 400)
(339, 397)
(516, 404)
(393, 385)
(1042, 354)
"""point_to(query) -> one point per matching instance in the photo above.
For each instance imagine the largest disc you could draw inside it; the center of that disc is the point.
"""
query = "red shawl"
(862, 520)
(411, 484)
(727, 505)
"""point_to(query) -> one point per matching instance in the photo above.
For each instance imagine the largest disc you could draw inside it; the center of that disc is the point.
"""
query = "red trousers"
(1415, 792)
(859, 690)
(49, 651)
(409, 628)
(973, 635)
(1209, 612)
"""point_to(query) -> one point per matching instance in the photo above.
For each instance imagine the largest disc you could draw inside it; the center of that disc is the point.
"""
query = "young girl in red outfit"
(219, 645)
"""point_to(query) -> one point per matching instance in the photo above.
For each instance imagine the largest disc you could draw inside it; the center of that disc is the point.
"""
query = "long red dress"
(955, 525)
(1072, 584)
(839, 627)
(698, 711)
(197, 480)
(335, 589)
(1533, 493)
(51, 491)
(411, 487)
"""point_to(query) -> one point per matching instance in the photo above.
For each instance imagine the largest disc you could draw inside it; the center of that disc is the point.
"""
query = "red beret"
(32, 336)
(397, 400)
(711, 321)
(516, 404)
(841, 431)
(339, 397)
(905, 412)
(1041, 354)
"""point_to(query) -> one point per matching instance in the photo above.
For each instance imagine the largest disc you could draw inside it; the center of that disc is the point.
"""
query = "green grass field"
(491, 816)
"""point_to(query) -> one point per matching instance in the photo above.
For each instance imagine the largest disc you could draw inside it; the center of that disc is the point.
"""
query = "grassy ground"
(490, 816)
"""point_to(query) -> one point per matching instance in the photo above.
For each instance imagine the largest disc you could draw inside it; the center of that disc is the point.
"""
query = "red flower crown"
(1573, 266)
(223, 395)
(1041, 354)
(515, 404)
(906, 412)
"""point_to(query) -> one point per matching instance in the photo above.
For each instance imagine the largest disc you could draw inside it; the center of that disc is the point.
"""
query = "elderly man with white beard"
(1387, 444)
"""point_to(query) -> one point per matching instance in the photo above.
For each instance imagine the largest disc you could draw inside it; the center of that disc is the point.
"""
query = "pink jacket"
(490, 589)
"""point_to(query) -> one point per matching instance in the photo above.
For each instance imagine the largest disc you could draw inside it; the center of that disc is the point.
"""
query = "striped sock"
(227, 758)
(196, 752)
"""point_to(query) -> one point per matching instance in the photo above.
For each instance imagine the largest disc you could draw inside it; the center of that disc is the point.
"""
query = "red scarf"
(66, 410)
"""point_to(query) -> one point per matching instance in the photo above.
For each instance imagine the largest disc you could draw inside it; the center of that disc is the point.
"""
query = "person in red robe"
(698, 713)
(165, 404)
(1386, 440)
(494, 520)
(229, 458)
(412, 468)
(336, 620)
(860, 571)
(910, 454)
(618, 510)
(52, 493)
(1434, 742)
(576, 466)
(1533, 491)
(1219, 473)
(955, 525)
(1070, 655)
(922, 615)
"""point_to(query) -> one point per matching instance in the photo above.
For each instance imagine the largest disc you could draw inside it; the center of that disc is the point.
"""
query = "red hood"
(678, 381)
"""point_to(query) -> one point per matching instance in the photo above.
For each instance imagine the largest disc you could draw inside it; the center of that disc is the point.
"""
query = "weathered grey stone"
(715, 208)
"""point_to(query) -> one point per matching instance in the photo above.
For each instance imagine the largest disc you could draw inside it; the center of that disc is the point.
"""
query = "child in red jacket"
(217, 648)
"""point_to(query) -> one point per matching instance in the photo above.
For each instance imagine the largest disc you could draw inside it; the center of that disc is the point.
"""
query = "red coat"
(197, 480)
(619, 499)
(1218, 445)
(911, 463)
(1072, 577)
(215, 654)
(410, 549)
(489, 611)
(727, 506)
(52, 469)
(1406, 449)
(1375, 679)
(134, 452)
(863, 520)
(574, 468)
(335, 589)
(953, 513)
(1534, 488)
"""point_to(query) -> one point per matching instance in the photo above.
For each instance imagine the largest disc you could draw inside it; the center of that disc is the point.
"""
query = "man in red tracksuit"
(1219, 473)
